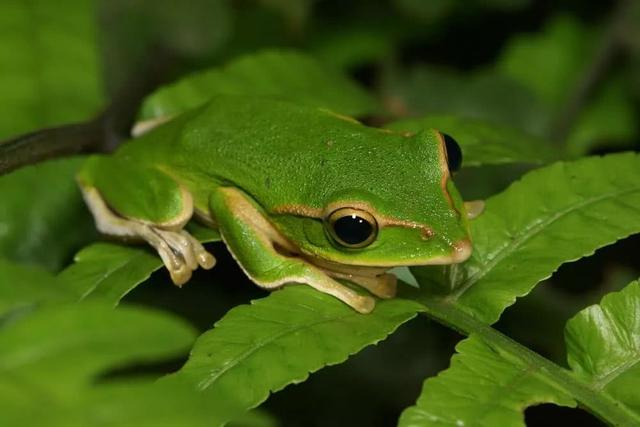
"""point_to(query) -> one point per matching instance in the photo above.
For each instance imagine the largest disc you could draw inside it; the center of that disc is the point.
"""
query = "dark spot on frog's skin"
(267, 182)
(323, 162)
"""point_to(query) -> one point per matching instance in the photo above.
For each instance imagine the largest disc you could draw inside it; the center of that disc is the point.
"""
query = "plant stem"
(608, 49)
(599, 403)
(101, 134)
(49, 143)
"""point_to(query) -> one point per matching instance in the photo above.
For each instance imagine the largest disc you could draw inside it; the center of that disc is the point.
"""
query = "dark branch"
(608, 50)
(51, 143)
(99, 135)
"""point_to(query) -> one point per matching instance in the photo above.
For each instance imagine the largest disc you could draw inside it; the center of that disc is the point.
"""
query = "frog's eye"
(454, 153)
(352, 228)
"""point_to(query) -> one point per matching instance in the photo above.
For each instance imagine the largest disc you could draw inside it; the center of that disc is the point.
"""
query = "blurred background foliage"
(566, 73)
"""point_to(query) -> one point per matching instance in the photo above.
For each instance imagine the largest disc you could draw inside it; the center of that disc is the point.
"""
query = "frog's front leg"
(133, 203)
(382, 286)
(265, 255)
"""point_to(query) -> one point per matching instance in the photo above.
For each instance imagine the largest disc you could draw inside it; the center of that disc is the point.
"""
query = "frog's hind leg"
(130, 201)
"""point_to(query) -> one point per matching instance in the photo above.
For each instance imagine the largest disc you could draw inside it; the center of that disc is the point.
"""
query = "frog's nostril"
(426, 233)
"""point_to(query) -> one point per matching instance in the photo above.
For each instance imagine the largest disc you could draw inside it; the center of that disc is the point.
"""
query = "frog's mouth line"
(461, 252)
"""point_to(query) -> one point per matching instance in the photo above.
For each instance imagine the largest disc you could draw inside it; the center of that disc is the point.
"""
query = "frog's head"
(387, 204)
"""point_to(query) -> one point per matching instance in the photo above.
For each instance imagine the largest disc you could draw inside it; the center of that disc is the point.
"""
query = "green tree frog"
(298, 194)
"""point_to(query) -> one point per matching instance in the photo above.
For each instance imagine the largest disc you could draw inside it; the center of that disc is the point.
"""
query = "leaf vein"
(527, 233)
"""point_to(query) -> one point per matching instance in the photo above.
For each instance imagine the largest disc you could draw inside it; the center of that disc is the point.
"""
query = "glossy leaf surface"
(492, 380)
(483, 387)
(603, 345)
(109, 271)
(260, 348)
(553, 215)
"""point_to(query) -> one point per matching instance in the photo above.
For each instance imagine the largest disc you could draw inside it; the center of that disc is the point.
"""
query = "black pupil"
(454, 153)
(352, 229)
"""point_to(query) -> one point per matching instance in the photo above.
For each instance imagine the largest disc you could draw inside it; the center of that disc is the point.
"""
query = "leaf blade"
(482, 142)
(577, 207)
(63, 348)
(482, 387)
(109, 271)
(40, 40)
(52, 359)
(41, 226)
(603, 345)
(284, 74)
(22, 286)
(226, 361)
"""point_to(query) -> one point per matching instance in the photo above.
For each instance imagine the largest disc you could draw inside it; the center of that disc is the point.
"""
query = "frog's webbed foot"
(180, 252)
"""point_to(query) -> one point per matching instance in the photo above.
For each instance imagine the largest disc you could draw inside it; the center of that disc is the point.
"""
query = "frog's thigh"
(143, 203)
(251, 239)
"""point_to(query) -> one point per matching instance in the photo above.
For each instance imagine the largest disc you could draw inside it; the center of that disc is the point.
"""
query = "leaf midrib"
(109, 273)
(528, 232)
(523, 373)
(602, 404)
(214, 376)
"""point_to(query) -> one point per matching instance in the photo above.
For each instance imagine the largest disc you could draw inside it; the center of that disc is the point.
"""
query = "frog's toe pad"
(206, 260)
(180, 275)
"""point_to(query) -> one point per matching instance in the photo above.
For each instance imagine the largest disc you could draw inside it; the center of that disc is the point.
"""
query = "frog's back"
(276, 151)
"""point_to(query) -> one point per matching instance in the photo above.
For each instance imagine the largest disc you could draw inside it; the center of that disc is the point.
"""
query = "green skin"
(268, 173)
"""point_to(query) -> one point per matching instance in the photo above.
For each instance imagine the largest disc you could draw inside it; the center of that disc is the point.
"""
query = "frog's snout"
(461, 251)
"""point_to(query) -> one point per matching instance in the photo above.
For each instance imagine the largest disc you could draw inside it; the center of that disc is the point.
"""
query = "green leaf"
(109, 271)
(133, 31)
(22, 286)
(260, 348)
(203, 233)
(603, 346)
(61, 349)
(113, 404)
(137, 403)
(482, 142)
(550, 63)
(553, 215)
(43, 219)
(493, 379)
(563, 53)
(484, 94)
(49, 62)
(484, 386)
(608, 119)
(351, 46)
(284, 74)
(51, 362)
